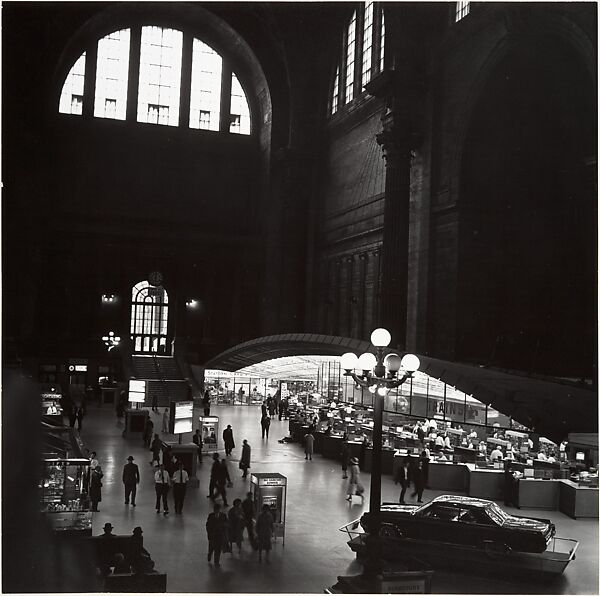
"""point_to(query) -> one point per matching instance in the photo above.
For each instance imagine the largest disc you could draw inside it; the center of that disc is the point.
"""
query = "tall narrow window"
(350, 47)
(71, 97)
(382, 41)
(160, 76)
(149, 312)
(111, 75)
(205, 101)
(335, 99)
(240, 114)
(462, 10)
(367, 43)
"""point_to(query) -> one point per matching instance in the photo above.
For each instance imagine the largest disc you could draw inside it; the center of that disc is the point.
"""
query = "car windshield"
(496, 513)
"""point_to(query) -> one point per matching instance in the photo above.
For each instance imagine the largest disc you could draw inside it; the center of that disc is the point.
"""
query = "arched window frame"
(342, 91)
(225, 116)
(149, 318)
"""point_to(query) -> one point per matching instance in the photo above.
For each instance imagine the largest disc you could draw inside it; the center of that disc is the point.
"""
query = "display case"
(209, 429)
(51, 405)
(63, 494)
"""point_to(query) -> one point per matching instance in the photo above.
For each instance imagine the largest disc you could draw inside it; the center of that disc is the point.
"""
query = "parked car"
(465, 521)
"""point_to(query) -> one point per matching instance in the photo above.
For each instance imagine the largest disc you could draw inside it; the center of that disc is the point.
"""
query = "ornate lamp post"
(379, 375)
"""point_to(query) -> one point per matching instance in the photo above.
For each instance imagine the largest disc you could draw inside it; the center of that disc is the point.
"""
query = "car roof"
(461, 501)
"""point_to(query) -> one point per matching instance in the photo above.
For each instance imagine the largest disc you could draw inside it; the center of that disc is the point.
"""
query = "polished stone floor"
(315, 551)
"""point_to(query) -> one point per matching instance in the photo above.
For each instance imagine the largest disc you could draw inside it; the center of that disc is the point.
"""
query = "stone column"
(397, 140)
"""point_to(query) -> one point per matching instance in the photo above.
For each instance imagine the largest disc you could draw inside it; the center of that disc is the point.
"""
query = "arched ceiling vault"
(551, 407)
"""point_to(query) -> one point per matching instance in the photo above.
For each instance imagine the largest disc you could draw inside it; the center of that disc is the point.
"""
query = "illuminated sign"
(137, 391)
(181, 417)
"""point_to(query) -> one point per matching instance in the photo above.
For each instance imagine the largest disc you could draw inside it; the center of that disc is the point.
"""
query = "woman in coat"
(264, 531)
(96, 487)
(354, 484)
(309, 445)
(237, 523)
(245, 459)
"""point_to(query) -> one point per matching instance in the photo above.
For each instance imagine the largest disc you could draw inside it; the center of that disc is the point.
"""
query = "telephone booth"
(209, 429)
(270, 489)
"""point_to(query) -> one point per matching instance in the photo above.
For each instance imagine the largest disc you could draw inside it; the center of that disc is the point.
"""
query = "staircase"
(165, 382)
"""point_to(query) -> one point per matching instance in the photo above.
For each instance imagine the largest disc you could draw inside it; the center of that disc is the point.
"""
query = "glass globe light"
(366, 361)
(349, 361)
(392, 362)
(381, 338)
(410, 363)
(372, 388)
(382, 391)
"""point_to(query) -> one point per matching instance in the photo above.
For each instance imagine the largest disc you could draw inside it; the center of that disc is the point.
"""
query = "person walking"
(180, 480)
(131, 478)
(156, 448)
(161, 486)
(418, 478)
(403, 477)
(79, 415)
(265, 423)
(96, 487)
(221, 478)
(354, 484)
(214, 474)
(216, 529)
(148, 432)
(72, 415)
(165, 421)
(248, 511)
(345, 456)
(228, 440)
(245, 459)
(206, 402)
(154, 401)
(264, 531)
(197, 440)
(236, 524)
(309, 445)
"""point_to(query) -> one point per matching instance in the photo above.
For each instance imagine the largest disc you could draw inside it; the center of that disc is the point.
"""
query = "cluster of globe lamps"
(379, 373)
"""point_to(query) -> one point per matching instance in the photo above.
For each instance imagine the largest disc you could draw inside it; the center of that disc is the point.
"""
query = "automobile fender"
(496, 550)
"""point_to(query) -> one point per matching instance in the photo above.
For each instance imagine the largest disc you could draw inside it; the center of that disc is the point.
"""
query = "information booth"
(270, 489)
(209, 429)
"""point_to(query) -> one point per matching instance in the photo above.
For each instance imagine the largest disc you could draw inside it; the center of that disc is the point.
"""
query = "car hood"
(527, 523)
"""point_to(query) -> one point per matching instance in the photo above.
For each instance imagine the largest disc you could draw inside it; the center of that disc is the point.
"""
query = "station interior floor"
(315, 551)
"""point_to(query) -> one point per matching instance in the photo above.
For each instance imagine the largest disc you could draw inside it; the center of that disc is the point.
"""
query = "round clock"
(155, 278)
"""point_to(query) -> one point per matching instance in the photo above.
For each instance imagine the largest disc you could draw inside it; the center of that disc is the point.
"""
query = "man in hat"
(106, 551)
(131, 477)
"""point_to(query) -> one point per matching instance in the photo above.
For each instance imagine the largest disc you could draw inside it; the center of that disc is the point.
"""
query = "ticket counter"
(578, 501)
(270, 489)
(533, 493)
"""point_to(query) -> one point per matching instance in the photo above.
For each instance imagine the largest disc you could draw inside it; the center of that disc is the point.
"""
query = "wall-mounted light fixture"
(108, 297)
(111, 340)
(191, 303)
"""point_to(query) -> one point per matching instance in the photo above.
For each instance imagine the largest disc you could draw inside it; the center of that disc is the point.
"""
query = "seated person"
(121, 566)
(139, 557)
(496, 454)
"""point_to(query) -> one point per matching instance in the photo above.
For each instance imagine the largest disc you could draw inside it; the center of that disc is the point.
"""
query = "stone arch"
(522, 159)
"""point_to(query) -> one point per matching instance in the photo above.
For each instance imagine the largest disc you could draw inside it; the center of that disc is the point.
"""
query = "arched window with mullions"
(362, 54)
(161, 61)
(149, 315)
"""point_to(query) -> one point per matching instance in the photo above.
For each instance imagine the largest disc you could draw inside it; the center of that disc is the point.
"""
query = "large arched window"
(362, 54)
(149, 313)
(159, 69)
